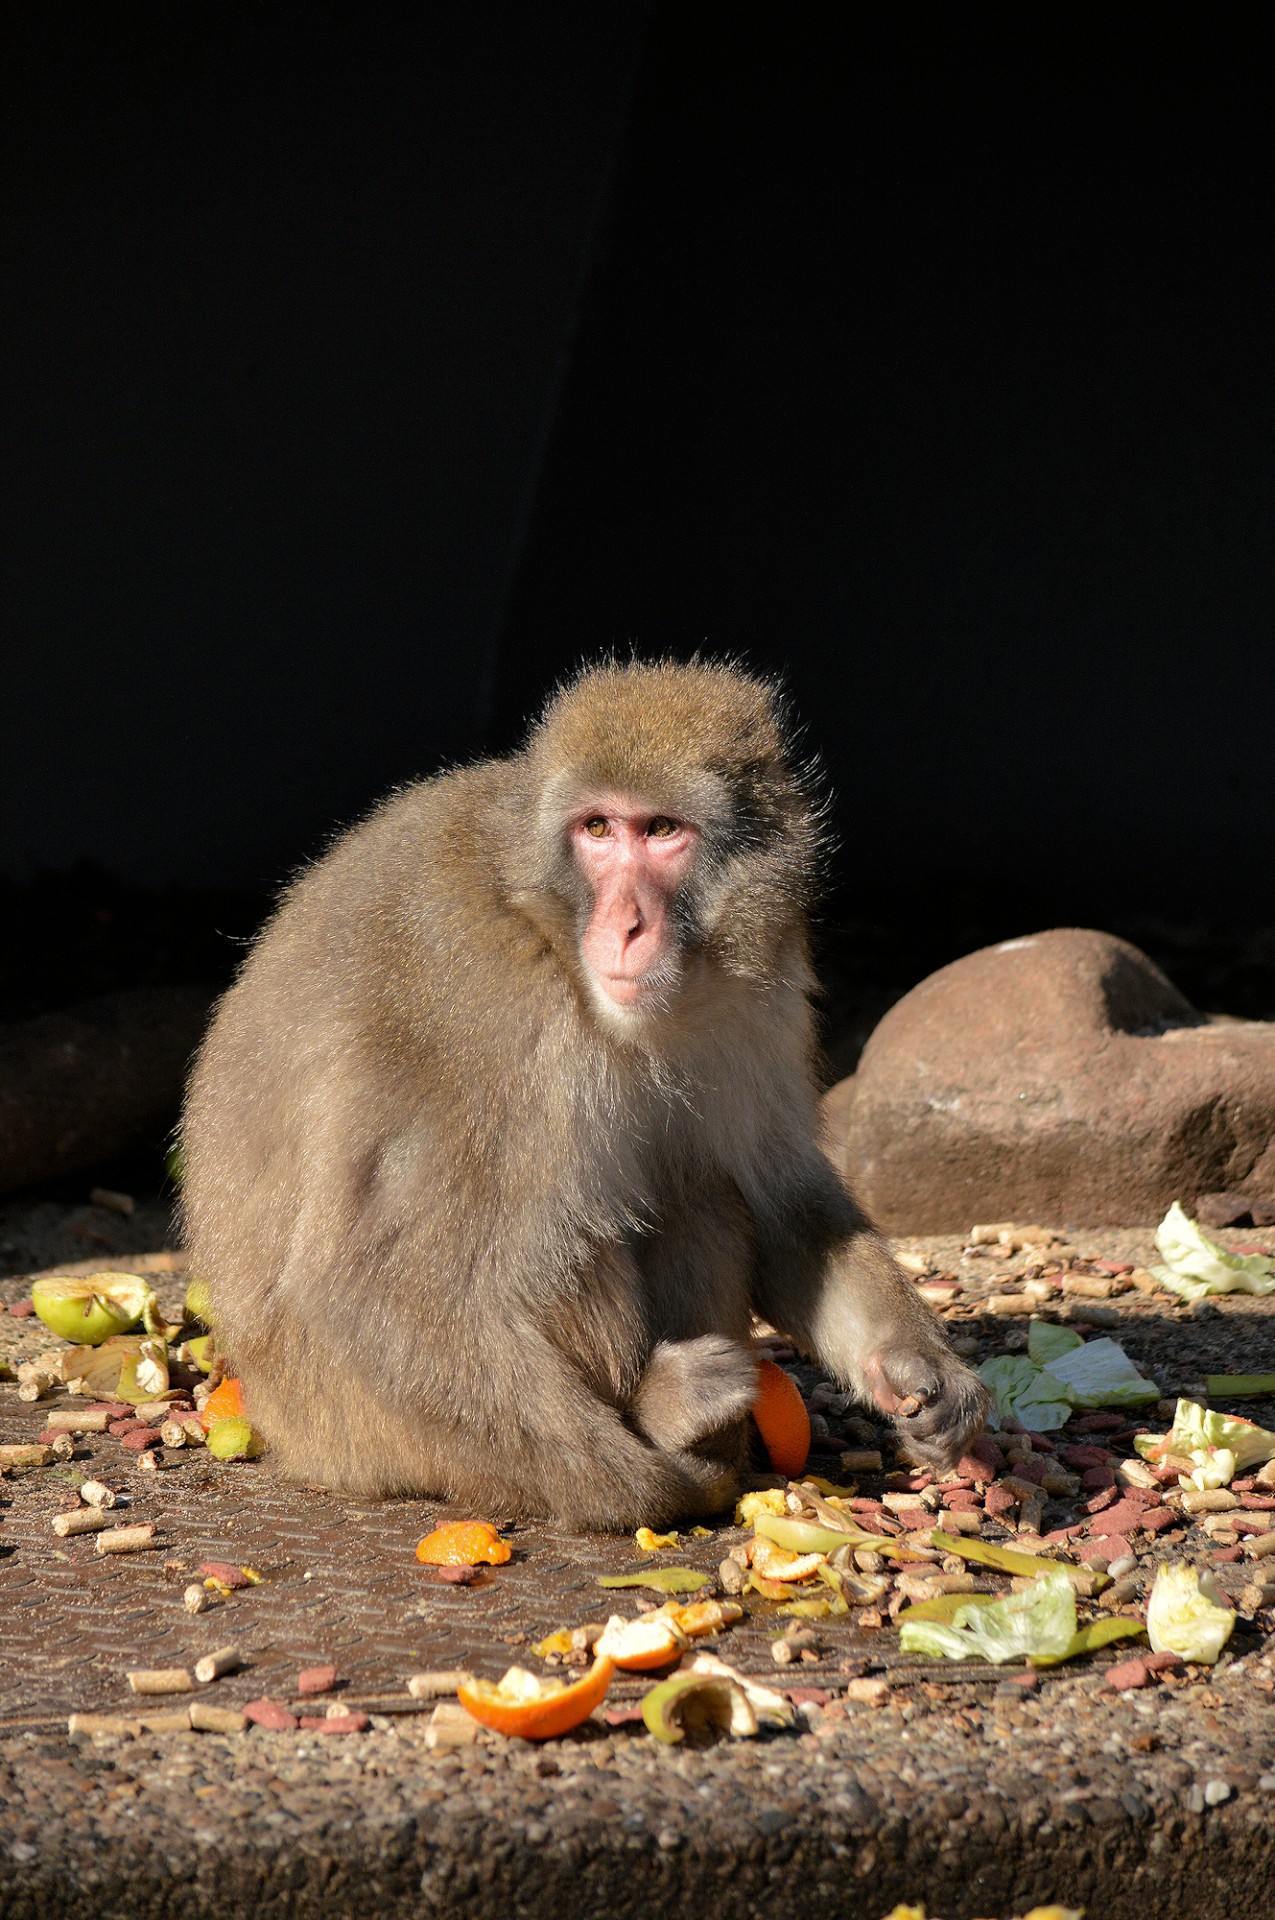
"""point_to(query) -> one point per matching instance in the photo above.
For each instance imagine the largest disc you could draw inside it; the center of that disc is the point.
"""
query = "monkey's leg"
(701, 1377)
(568, 1452)
(827, 1279)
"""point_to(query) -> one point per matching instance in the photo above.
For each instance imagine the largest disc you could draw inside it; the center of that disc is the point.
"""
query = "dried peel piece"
(649, 1542)
(661, 1579)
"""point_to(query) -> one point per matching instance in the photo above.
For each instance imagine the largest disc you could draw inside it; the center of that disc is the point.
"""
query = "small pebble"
(1216, 1791)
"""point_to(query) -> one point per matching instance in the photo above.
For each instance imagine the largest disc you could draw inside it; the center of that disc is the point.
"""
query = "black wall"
(924, 355)
(287, 288)
(932, 364)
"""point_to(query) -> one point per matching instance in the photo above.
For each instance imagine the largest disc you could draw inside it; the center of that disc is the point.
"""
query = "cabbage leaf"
(1195, 1266)
(1184, 1615)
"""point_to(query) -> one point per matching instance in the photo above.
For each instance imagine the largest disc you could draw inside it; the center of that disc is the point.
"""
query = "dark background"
(365, 368)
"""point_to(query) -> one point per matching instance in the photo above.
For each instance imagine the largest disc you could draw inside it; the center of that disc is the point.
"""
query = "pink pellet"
(271, 1714)
(316, 1679)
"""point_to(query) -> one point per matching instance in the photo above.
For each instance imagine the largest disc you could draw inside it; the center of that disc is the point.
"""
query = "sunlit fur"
(469, 1231)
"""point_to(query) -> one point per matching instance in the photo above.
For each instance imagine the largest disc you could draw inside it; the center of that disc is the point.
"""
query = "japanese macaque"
(510, 1124)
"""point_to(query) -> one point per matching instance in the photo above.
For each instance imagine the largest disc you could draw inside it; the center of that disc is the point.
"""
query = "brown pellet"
(69, 1420)
(128, 1539)
(161, 1680)
(316, 1679)
(29, 1455)
(450, 1726)
(81, 1520)
(85, 1725)
(861, 1460)
(271, 1714)
(436, 1685)
(206, 1718)
(213, 1665)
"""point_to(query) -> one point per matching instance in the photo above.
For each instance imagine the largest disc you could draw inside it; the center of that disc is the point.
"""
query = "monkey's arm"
(826, 1278)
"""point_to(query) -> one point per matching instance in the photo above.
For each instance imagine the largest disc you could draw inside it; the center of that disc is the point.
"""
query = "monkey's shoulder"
(408, 910)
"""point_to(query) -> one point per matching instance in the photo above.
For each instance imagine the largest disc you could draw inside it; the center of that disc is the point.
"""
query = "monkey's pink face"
(634, 862)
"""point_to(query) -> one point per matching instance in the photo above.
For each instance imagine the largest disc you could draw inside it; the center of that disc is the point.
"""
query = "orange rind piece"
(223, 1403)
(641, 1645)
(463, 1543)
(782, 1420)
(525, 1707)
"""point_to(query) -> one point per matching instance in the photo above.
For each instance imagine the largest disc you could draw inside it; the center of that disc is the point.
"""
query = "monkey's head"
(669, 830)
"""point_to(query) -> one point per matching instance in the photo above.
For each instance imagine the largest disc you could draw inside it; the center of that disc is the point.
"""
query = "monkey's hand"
(938, 1405)
(693, 1389)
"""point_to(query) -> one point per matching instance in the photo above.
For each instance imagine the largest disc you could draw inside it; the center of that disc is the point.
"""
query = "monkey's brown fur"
(469, 1235)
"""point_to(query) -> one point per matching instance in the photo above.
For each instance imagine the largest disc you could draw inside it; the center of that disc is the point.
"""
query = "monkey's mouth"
(626, 989)
(631, 991)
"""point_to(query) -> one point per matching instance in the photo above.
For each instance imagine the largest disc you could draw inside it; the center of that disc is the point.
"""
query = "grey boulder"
(1059, 1077)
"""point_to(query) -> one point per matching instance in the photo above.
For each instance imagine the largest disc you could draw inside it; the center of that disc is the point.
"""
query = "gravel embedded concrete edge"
(852, 1857)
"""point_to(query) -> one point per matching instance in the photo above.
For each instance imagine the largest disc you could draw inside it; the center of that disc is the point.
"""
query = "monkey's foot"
(692, 1389)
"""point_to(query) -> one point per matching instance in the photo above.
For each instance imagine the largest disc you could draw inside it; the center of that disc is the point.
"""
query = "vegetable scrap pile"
(1092, 1514)
(150, 1384)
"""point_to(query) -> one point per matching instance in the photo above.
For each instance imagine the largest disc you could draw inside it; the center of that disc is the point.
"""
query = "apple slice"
(91, 1310)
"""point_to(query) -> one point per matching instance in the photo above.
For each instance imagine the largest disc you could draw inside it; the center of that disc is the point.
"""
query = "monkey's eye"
(661, 827)
(597, 826)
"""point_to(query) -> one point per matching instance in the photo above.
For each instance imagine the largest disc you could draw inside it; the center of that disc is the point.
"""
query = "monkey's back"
(354, 1097)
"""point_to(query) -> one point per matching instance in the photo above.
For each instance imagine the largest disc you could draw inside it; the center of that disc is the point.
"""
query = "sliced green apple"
(198, 1302)
(696, 1706)
(233, 1439)
(89, 1311)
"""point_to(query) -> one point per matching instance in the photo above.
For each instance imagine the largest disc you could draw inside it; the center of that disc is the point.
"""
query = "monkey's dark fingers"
(948, 1405)
(903, 1383)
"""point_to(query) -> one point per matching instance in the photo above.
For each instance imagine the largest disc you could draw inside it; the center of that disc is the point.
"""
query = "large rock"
(1059, 1077)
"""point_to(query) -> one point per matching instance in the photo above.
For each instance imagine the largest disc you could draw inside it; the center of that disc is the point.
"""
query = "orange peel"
(640, 1645)
(223, 1403)
(463, 1543)
(782, 1419)
(528, 1708)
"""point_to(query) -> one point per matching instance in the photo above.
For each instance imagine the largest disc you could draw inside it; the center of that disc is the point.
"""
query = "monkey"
(509, 1125)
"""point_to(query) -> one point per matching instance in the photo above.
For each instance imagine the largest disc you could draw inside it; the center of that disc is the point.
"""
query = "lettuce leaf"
(1184, 1617)
(1101, 1374)
(1218, 1443)
(1040, 1392)
(1195, 1266)
(1046, 1342)
(1024, 1392)
(1039, 1620)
